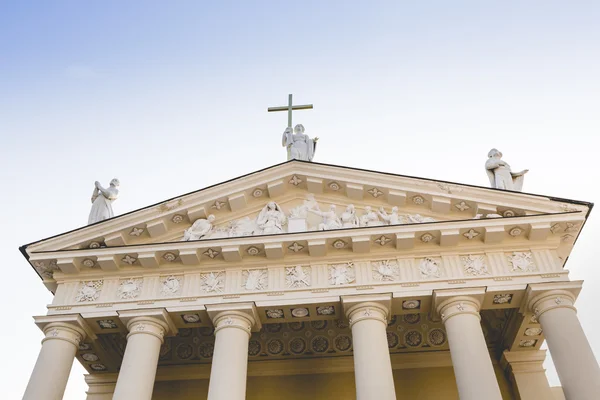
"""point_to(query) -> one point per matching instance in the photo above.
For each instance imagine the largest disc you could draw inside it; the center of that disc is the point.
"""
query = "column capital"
(543, 297)
(379, 303)
(71, 327)
(450, 302)
(523, 361)
(155, 322)
(235, 315)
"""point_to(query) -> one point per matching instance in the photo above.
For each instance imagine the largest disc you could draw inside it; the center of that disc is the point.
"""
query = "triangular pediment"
(295, 185)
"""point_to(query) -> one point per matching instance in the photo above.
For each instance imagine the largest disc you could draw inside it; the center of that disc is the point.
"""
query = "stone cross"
(289, 108)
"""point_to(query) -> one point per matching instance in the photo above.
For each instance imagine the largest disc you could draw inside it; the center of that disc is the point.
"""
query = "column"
(368, 317)
(527, 374)
(573, 358)
(140, 361)
(471, 360)
(229, 369)
(51, 372)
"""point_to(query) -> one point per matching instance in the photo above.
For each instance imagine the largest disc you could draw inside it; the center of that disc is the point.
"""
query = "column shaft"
(372, 364)
(51, 372)
(471, 360)
(229, 368)
(572, 355)
(138, 370)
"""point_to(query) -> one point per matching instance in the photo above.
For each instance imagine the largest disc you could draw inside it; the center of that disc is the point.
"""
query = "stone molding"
(523, 361)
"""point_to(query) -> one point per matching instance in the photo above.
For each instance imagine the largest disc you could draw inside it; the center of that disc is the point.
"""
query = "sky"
(171, 97)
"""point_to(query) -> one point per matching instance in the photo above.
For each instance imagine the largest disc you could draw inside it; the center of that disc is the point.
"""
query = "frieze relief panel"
(357, 274)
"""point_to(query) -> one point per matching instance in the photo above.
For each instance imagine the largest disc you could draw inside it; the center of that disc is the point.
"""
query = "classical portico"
(259, 288)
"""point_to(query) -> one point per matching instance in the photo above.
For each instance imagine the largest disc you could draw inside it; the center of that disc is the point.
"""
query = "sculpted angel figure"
(299, 145)
(102, 201)
(349, 217)
(271, 219)
(200, 228)
(391, 219)
(330, 218)
(501, 177)
(370, 218)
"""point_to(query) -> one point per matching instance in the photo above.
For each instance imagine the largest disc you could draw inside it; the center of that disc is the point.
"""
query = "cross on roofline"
(289, 108)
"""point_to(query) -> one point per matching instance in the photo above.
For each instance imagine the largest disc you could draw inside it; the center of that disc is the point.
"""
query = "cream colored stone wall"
(422, 384)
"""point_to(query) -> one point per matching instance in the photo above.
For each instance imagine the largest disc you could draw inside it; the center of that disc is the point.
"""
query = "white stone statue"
(299, 145)
(349, 217)
(500, 174)
(370, 218)
(199, 229)
(102, 201)
(419, 219)
(271, 219)
(391, 219)
(330, 218)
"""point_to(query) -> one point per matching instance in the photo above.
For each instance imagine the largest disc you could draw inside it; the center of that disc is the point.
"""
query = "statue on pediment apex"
(299, 145)
(500, 175)
(102, 199)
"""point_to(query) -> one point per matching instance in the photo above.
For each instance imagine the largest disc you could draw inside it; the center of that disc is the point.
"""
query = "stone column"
(51, 372)
(368, 317)
(233, 325)
(527, 375)
(473, 369)
(572, 355)
(138, 369)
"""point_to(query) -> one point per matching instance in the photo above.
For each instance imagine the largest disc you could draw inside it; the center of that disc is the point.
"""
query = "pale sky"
(171, 97)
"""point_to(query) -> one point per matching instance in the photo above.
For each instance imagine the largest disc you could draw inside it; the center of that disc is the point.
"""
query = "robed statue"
(102, 199)
(299, 145)
(501, 177)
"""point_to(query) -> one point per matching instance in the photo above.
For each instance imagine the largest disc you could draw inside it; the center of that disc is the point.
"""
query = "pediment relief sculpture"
(273, 219)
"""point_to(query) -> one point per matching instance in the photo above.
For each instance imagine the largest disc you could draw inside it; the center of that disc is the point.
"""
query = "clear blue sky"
(172, 96)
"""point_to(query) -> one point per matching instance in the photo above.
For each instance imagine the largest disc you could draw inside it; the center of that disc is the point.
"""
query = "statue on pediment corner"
(271, 219)
(299, 145)
(500, 175)
(199, 229)
(102, 199)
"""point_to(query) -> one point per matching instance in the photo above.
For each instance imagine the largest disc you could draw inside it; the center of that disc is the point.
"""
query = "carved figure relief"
(200, 228)
(330, 218)
(429, 268)
(255, 279)
(89, 291)
(475, 265)
(212, 282)
(385, 271)
(522, 262)
(370, 218)
(297, 277)
(391, 219)
(271, 219)
(341, 274)
(349, 218)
